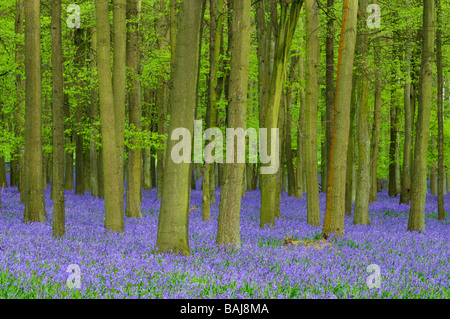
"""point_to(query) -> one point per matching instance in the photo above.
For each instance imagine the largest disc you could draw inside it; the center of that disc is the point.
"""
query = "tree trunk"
(146, 156)
(34, 199)
(86, 169)
(119, 91)
(301, 134)
(45, 165)
(416, 220)
(406, 180)
(13, 171)
(3, 181)
(311, 104)
(193, 184)
(101, 174)
(133, 205)
(58, 123)
(93, 157)
(447, 180)
(376, 122)
(290, 12)
(280, 173)
(289, 156)
(79, 153)
(230, 199)
(68, 159)
(433, 168)
(17, 171)
(349, 177)
(22, 175)
(112, 170)
(361, 214)
(173, 224)
(335, 204)
(440, 114)
(329, 75)
(394, 128)
(153, 168)
(215, 90)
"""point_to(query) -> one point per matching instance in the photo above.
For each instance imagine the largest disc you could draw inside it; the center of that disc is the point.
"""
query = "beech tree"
(311, 103)
(110, 160)
(230, 197)
(133, 207)
(416, 220)
(173, 223)
(440, 113)
(119, 86)
(58, 123)
(34, 186)
(335, 206)
(290, 11)
(361, 213)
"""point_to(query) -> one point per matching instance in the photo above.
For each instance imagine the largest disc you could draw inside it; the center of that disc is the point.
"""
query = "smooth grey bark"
(34, 188)
(173, 223)
(230, 199)
(416, 220)
(335, 204)
(311, 112)
(361, 211)
(112, 170)
(58, 123)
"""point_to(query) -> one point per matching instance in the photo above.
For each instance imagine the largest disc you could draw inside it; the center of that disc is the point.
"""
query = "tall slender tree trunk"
(301, 133)
(216, 26)
(394, 127)
(215, 90)
(95, 116)
(440, 115)
(376, 121)
(311, 113)
(162, 98)
(68, 160)
(335, 204)
(34, 188)
(133, 207)
(416, 220)
(230, 198)
(17, 168)
(112, 170)
(119, 88)
(289, 156)
(406, 180)
(86, 169)
(263, 62)
(329, 75)
(58, 123)
(79, 160)
(290, 11)
(361, 215)
(280, 173)
(349, 176)
(146, 156)
(173, 224)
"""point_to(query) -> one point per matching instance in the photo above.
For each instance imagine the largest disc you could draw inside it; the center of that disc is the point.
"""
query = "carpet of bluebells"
(34, 265)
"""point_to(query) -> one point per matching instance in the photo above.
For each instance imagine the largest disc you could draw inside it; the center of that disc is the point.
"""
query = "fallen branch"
(318, 244)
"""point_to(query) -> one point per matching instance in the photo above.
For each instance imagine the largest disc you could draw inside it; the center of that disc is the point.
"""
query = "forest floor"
(34, 265)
